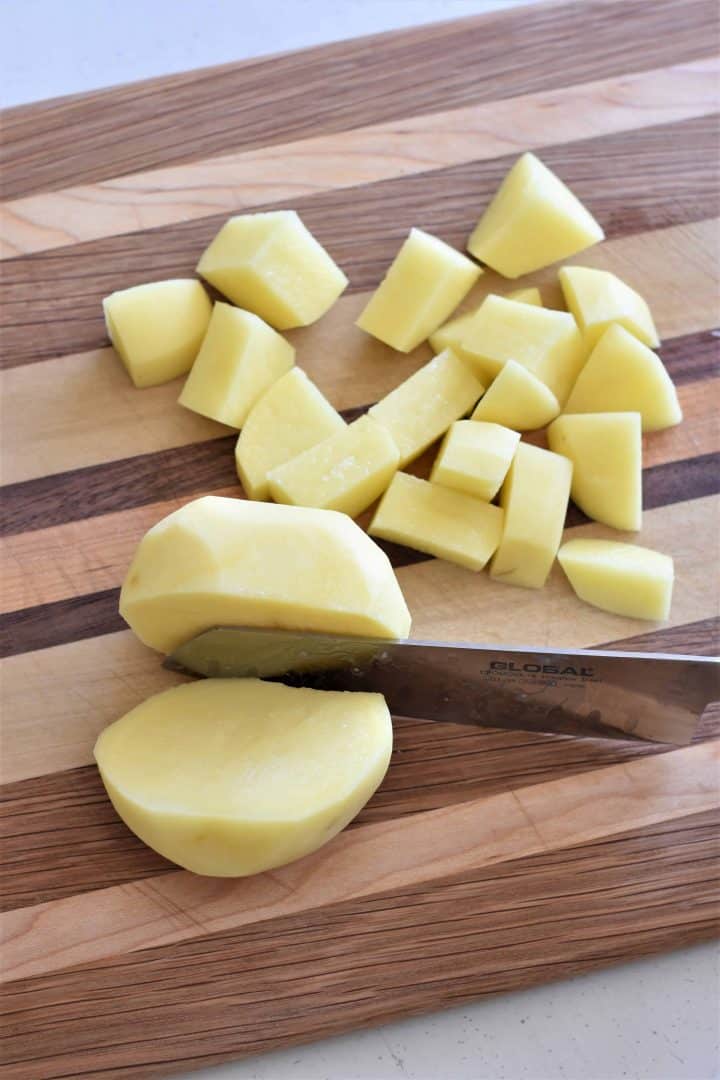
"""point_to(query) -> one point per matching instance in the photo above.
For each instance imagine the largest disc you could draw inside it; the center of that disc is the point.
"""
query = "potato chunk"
(425, 283)
(598, 298)
(518, 400)
(270, 263)
(450, 335)
(422, 408)
(475, 458)
(241, 356)
(229, 777)
(228, 562)
(546, 342)
(157, 329)
(606, 453)
(533, 220)
(439, 521)
(535, 498)
(346, 472)
(622, 578)
(623, 375)
(290, 417)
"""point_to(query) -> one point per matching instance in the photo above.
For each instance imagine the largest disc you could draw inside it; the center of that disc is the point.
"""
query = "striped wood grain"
(487, 860)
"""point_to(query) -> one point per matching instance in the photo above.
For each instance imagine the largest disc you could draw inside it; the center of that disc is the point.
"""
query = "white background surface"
(652, 1020)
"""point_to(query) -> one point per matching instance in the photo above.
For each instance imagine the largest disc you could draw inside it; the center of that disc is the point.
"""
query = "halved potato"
(625, 579)
(606, 452)
(230, 777)
(225, 562)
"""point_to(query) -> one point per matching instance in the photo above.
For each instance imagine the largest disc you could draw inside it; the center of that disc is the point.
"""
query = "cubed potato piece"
(229, 562)
(290, 417)
(606, 453)
(439, 521)
(240, 358)
(535, 498)
(346, 472)
(518, 400)
(624, 579)
(598, 298)
(423, 285)
(157, 328)
(546, 342)
(229, 777)
(422, 408)
(271, 264)
(475, 457)
(451, 334)
(623, 375)
(526, 296)
(533, 220)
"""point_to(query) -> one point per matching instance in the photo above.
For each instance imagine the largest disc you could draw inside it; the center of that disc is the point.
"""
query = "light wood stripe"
(363, 862)
(49, 427)
(364, 155)
(59, 699)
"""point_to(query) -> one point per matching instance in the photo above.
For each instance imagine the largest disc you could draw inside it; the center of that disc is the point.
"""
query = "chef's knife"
(570, 691)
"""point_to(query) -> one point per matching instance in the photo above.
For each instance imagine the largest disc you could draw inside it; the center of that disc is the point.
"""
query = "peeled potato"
(598, 298)
(229, 777)
(475, 457)
(219, 561)
(624, 579)
(517, 399)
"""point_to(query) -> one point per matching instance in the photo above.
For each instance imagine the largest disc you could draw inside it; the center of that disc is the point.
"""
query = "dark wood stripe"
(695, 639)
(108, 133)
(433, 765)
(633, 181)
(45, 625)
(692, 357)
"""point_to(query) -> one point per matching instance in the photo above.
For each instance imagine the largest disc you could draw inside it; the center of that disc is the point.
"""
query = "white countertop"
(655, 1019)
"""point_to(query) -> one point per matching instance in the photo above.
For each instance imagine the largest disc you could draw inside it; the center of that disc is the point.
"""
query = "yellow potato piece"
(546, 342)
(425, 283)
(606, 453)
(270, 263)
(533, 220)
(439, 521)
(240, 358)
(598, 298)
(535, 498)
(422, 408)
(622, 578)
(517, 399)
(475, 458)
(157, 328)
(346, 472)
(229, 562)
(526, 296)
(623, 375)
(230, 777)
(290, 417)
(450, 335)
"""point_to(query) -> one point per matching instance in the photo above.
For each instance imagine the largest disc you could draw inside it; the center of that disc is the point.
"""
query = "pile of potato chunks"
(589, 375)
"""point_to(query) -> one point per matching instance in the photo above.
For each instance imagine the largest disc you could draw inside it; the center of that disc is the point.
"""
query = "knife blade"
(599, 693)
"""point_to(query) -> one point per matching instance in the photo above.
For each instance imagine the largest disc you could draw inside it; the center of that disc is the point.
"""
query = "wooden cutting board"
(488, 860)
